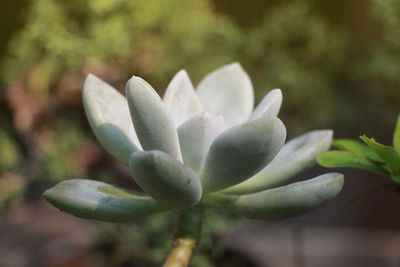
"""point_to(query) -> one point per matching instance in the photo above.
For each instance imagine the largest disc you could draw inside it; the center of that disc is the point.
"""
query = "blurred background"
(337, 63)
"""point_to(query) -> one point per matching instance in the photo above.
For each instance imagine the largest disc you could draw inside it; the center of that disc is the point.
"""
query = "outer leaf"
(196, 136)
(165, 179)
(396, 136)
(387, 153)
(357, 148)
(154, 127)
(283, 202)
(227, 92)
(100, 201)
(181, 99)
(241, 151)
(296, 156)
(334, 159)
(269, 106)
(108, 114)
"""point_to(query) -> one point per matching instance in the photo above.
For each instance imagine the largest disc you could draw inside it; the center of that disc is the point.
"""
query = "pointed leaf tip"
(181, 99)
(269, 105)
(154, 127)
(227, 92)
(108, 115)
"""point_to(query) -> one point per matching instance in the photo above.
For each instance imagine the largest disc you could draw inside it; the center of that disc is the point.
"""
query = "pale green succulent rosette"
(203, 147)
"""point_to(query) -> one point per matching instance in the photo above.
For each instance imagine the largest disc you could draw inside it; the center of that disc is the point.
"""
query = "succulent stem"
(186, 237)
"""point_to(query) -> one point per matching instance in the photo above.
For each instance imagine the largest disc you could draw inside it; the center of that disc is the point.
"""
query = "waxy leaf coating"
(196, 136)
(209, 146)
(296, 156)
(241, 151)
(269, 106)
(100, 201)
(180, 98)
(283, 202)
(108, 114)
(165, 179)
(154, 127)
(227, 92)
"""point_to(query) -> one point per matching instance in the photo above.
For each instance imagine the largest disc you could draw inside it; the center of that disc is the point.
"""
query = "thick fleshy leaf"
(108, 114)
(165, 179)
(283, 202)
(196, 136)
(295, 156)
(396, 136)
(357, 148)
(227, 92)
(100, 201)
(269, 106)
(334, 159)
(181, 99)
(154, 127)
(387, 153)
(241, 151)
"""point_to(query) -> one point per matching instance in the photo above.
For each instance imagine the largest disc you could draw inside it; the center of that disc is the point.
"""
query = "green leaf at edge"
(396, 136)
(387, 153)
(356, 148)
(333, 159)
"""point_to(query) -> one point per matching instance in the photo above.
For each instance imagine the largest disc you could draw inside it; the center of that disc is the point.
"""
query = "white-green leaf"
(100, 201)
(283, 202)
(269, 106)
(166, 179)
(181, 99)
(241, 151)
(154, 127)
(108, 114)
(196, 136)
(296, 156)
(227, 92)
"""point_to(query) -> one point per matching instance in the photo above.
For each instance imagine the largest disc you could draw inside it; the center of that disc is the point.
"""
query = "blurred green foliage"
(302, 54)
(153, 38)
(379, 73)
(330, 77)
(9, 153)
(60, 149)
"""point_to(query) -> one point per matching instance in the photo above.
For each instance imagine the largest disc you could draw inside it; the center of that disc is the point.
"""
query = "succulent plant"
(204, 148)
